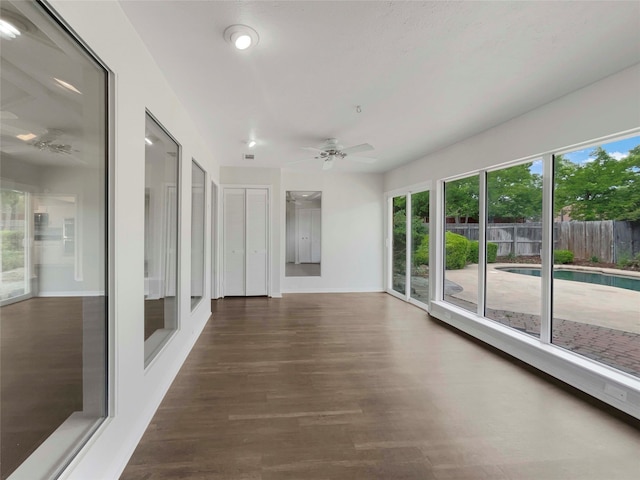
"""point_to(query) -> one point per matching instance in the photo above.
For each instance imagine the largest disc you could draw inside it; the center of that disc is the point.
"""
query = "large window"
(197, 233)
(514, 243)
(462, 205)
(53, 221)
(596, 284)
(162, 163)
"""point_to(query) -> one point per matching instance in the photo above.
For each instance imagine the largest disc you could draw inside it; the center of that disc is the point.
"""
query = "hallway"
(365, 386)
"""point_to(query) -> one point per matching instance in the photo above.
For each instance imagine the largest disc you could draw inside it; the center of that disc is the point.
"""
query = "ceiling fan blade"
(362, 159)
(365, 147)
(327, 165)
(312, 149)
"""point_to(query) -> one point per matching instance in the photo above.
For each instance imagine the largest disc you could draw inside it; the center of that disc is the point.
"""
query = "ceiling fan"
(330, 150)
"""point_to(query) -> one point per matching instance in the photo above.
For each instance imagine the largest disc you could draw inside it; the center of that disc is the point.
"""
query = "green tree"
(514, 194)
(462, 199)
(600, 189)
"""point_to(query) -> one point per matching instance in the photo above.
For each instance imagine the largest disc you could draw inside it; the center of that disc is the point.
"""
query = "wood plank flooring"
(365, 386)
(40, 373)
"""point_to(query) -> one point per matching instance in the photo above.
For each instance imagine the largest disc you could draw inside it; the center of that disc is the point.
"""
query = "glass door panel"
(419, 289)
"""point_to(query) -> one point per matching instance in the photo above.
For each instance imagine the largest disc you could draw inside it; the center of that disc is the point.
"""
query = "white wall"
(607, 107)
(352, 232)
(138, 84)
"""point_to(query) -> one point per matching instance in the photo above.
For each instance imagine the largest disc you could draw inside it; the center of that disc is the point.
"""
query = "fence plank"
(607, 240)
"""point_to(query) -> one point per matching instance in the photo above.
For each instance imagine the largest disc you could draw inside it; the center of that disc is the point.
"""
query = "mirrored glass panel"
(596, 256)
(420, 246)
(197, 233)
(53, 221)
(304, 233)
(162, 161)
(514, 242)
(461, 229)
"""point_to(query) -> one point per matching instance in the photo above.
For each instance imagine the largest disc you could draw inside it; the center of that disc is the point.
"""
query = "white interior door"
(257, 241)
(304, 235)
(234, 241)
(316, 235)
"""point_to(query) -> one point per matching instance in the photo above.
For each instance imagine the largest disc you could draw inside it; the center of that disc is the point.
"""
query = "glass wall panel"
(53, 220)
(461, 227)
(596, 285)
(399, 247)
(197, 233)
(420, 246)
(162, 161)
(514, 242)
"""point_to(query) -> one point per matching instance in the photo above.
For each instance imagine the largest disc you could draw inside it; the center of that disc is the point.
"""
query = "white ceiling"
(426, 74)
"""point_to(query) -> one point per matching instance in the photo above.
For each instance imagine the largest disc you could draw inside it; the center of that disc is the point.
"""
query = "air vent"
(248, 156)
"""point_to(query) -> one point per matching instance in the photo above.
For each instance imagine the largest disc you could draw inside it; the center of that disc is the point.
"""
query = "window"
(462, 203)
(162, 164)
(53, 224)
(197, 233)
(514, 243)
(596, 292)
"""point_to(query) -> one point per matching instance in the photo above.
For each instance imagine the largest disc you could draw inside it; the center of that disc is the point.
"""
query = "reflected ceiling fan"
(331, 150)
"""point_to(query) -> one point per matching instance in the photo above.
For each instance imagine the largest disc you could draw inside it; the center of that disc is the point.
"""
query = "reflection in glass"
(197, 233)
(597, 214)
(304, 234)
(399, 244)
(420, 246)
(53, 214)
(161, 236)
(461, 225)
(514, 235)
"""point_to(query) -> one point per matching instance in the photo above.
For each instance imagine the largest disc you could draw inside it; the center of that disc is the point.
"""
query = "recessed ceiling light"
(251, 143)
(147, 141)
(8, 30)
(25, 137)
(241, 36)
(67, 85)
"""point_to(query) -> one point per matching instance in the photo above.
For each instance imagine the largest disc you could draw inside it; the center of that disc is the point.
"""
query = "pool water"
(585, 277)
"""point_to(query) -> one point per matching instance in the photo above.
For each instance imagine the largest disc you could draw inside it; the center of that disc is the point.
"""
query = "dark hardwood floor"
(40, 373)
(365, 386)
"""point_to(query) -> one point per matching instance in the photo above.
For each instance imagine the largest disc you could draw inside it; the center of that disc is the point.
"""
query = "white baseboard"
(71, 293)
(335, 290)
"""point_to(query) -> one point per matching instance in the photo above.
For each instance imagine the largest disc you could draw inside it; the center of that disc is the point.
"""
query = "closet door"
(304, 235)
(316, 235)
(234, 241)
(257, 241)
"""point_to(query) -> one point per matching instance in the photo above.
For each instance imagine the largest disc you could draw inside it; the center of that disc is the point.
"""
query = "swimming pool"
(596, 278)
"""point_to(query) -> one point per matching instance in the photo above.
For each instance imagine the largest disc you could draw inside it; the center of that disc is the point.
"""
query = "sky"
(618, 150)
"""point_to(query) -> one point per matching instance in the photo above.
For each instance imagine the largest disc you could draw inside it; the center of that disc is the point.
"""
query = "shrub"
(421, 255)
(457, 250)
(474, 252)
(562, 256)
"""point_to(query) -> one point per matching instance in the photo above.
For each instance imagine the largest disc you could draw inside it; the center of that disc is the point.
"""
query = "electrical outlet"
(615, 392)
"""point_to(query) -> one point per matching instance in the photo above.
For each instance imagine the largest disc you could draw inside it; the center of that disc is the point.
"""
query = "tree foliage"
(514, 194)
(603, 188)
(462, 199)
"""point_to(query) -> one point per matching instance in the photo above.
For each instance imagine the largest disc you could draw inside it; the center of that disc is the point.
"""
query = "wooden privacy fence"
(608, 240)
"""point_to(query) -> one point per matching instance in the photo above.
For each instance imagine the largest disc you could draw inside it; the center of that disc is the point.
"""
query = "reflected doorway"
(303, 233)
